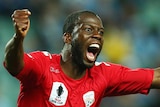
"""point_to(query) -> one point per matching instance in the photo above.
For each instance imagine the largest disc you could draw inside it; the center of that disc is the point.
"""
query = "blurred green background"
(132, 38)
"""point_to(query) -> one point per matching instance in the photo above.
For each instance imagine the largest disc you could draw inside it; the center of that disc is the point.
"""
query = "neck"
(70, 68)
(66, 52)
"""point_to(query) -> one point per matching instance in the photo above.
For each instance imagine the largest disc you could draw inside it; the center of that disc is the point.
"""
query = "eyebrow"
(81, 24)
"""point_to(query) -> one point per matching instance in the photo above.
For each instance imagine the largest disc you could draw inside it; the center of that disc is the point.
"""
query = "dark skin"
(88, 31)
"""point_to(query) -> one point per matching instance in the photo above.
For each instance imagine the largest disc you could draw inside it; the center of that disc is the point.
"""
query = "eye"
(101, 32)
(88, 30)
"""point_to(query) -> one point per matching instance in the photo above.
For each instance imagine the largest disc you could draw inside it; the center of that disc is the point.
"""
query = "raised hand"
(21, 21)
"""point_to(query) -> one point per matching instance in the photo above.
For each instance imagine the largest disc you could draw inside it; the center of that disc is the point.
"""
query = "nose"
(97, 36)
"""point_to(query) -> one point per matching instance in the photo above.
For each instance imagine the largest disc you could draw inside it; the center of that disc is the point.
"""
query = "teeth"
(94, 45)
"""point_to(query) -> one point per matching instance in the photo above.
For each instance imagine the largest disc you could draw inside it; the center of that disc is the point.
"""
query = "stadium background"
(132, 38)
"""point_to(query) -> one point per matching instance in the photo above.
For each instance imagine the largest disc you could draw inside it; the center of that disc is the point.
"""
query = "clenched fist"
(21, 21)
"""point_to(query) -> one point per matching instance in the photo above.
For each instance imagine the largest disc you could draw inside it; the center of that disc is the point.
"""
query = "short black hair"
(72, 19)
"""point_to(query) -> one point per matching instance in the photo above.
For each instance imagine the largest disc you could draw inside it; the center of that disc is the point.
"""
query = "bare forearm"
(14, 49)
(14, 55)
(156, 79)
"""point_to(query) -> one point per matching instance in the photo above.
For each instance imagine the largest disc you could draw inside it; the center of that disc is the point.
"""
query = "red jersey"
(44, 84)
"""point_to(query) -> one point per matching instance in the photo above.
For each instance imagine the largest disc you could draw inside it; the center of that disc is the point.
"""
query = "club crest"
(89, 98)
(59, 94)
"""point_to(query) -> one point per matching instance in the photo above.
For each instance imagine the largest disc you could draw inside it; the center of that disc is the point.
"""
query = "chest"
(60, 90)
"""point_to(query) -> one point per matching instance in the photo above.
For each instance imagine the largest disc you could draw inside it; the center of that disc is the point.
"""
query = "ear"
(67, 38)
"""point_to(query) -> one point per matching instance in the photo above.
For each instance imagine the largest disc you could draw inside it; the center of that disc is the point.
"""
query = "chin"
(88, 64)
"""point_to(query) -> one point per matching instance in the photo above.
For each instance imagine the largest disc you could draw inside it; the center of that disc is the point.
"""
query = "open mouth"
(92, 52)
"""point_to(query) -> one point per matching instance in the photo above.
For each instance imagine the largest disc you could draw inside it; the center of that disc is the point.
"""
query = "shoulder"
(38, 53)
(41, 54)
(107, 68)
(106, 65)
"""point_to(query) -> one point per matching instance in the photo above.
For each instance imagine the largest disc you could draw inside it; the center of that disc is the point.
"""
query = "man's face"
(87, 40)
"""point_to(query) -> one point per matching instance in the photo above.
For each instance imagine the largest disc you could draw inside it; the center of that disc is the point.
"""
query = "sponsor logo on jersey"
(59, 94)
(52, 69)
(89, 98)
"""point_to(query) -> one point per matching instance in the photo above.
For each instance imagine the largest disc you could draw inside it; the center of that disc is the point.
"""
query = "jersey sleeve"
(34, 68)
(123, 80)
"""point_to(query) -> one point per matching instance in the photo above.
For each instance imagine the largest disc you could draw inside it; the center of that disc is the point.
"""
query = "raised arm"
(14, 48)
(156, 79)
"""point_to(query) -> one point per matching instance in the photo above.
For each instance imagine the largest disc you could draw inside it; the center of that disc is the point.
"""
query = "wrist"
(16, 36)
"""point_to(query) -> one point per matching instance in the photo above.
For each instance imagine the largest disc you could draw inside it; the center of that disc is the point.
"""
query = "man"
(72, 78)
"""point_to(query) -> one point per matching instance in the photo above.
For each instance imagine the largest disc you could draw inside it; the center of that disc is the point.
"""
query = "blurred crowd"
(132, 38)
